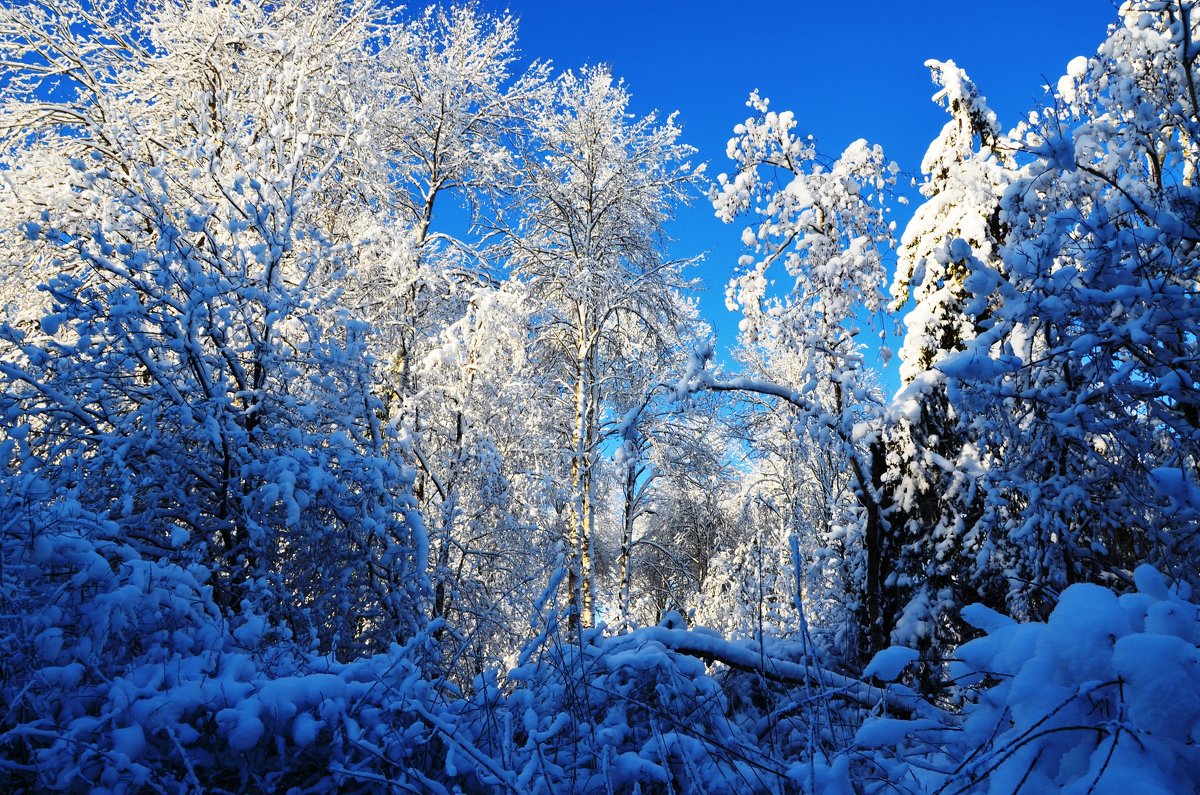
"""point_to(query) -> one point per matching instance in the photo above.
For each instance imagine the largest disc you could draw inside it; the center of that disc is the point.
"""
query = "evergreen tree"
(945, 558)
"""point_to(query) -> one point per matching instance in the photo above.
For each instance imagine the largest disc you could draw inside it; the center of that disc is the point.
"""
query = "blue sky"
(847, 70)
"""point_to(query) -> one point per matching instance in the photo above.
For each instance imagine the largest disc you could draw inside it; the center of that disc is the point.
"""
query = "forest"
(359, 430)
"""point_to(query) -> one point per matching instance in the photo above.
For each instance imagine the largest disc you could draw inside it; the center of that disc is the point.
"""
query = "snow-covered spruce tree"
(966, 171)
(824, 225)
(598, 186)
(192, 377)
(946, 252)
(1083, 389)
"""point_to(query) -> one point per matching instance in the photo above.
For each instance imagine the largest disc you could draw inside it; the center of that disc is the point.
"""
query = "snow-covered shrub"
(667, 709)
(192, 371)
(621, 711)
(1102, 698)
(621, 714)
(119, 672)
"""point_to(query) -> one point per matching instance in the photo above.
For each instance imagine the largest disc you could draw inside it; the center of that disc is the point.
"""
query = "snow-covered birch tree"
(820, 228)
(447, 96)
(598, 187)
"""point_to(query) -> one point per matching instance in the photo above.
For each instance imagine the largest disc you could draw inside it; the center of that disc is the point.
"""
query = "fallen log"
(749, 658)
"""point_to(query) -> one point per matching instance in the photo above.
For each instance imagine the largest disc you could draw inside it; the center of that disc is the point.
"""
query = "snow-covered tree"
(249, 351)
(192, 375)
(948, 254)
(597, 189)
(966, 172)
(445, 94)
(794, 487)
(446, 97)
(824, 224)
(1083, 387)
(684, 512)
(492, 539)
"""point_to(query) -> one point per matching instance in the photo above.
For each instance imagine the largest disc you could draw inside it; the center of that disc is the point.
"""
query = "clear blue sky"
(847, 70)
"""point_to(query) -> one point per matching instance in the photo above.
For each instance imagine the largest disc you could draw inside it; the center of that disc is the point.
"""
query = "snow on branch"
(747, 656)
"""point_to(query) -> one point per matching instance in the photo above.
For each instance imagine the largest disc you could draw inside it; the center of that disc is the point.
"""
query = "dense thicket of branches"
(358, 431)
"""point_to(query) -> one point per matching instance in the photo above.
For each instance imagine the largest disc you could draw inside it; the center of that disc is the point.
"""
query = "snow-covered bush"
(670, 709)
(119, 673)
(1102, 698)
(628, 711)
(192, 373)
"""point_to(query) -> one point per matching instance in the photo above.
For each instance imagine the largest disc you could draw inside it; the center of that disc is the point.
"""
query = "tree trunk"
(577, 527)
(626, 561)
